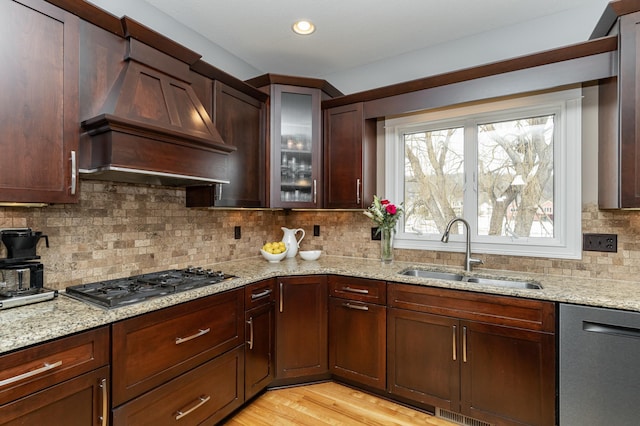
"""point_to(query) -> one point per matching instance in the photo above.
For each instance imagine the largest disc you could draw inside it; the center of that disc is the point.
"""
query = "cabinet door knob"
(358, 192)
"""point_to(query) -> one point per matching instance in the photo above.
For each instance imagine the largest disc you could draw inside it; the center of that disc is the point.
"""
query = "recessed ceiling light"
(303, 27)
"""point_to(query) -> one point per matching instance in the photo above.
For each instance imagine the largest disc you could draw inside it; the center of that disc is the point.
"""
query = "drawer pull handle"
(281, 297)
(464, 344)
(105, 403)
(202, 400)
(355, 290)
(46, 367)
(255, 296)
(453, 343)
(358, 307)
(250, 341)
(74, 173)
(198, 334)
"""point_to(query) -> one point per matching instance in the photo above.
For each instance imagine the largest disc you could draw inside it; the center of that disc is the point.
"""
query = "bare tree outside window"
(514, 178)
(434, 179)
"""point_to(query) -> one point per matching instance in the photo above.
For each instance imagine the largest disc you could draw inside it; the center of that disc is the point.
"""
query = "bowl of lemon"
(274, 252)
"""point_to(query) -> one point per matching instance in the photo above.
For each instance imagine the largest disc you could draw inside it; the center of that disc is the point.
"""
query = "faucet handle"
(476, 261)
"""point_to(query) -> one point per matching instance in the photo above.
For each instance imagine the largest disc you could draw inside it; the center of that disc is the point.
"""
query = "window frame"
(566, 104)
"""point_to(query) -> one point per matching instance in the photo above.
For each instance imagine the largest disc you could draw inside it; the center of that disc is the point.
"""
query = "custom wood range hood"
(152, 127)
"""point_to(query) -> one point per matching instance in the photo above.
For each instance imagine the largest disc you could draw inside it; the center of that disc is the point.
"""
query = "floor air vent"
(461, 419)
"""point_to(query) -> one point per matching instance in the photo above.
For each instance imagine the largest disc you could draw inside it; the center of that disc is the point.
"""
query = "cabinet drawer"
(204, 395)
(503, 310)
(83, 400)
(30, 370)
(151, 349)
(259, 294)
(361, 289)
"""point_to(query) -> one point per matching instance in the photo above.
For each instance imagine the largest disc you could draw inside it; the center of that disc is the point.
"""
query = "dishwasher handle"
(615, 330)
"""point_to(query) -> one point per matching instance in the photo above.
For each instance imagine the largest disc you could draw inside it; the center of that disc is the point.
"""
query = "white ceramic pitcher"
(289, 240)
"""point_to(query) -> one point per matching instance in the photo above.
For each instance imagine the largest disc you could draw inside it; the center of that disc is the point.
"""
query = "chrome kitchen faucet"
(468, 261)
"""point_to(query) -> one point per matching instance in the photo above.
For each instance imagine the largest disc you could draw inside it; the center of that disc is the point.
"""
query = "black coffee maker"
(21, 275)
(21, 243)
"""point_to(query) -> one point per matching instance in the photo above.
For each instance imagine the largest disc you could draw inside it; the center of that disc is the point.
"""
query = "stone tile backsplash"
(118, 230)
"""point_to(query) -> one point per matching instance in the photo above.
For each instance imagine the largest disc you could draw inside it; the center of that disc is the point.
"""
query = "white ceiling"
(353, 33)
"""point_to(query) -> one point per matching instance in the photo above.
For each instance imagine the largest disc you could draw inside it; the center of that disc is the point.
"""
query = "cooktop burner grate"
(127, 291)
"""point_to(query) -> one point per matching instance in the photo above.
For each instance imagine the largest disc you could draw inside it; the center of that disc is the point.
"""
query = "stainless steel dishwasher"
(599, 367)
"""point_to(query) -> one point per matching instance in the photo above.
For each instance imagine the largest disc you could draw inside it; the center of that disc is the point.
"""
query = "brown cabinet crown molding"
(566, 53)
(140, 32)
(313, 83)
(91, 13)
(208, 70)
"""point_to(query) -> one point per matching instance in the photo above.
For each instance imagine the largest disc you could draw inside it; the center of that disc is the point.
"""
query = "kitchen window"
(511, 168)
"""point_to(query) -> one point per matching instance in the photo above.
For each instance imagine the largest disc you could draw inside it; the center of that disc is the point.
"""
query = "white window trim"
(566, 243)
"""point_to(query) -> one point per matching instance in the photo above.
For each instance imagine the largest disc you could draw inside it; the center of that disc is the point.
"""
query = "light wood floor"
(328, 404)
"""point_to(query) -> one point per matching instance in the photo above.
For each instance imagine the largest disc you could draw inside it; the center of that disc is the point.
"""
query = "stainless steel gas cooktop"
(127, 291)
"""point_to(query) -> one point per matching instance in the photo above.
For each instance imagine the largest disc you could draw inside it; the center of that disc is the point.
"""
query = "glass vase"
(386, 245)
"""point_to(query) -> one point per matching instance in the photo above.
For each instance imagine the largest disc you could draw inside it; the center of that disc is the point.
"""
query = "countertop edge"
(34, 324)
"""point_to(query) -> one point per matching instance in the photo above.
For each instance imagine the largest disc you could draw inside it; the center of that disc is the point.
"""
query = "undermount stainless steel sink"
(432, 274)
(450, 276)
(504, 283)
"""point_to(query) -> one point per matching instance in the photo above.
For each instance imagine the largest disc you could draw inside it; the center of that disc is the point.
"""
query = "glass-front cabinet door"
(295, 147)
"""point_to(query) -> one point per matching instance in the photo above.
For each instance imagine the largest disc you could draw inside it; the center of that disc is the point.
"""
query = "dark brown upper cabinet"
(39, 130)
(349, 158)
(295, 153)
(240, 117)
(619, 123)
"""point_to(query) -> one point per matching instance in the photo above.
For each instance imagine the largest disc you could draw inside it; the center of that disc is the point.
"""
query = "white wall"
(549, 32)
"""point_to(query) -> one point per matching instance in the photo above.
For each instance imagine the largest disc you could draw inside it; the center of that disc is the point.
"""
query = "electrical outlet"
(600, 242)
(237, 232)
(316, 230)
(375, 235)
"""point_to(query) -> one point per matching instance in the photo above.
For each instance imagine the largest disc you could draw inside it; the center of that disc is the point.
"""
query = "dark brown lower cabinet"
(358, 331)
(508, 374)
(488, 357)
(260, 337)
(357, 339)
(81, 401)
(204, 395)
(422, 365)
(301, 328)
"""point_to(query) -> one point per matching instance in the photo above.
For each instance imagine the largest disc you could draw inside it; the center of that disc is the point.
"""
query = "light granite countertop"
(37, 323)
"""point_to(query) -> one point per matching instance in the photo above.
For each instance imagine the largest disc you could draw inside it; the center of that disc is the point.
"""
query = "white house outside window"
(511, 168)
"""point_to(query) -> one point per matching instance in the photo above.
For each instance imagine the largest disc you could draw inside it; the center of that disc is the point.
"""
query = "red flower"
(384, 202)
(391, 208)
